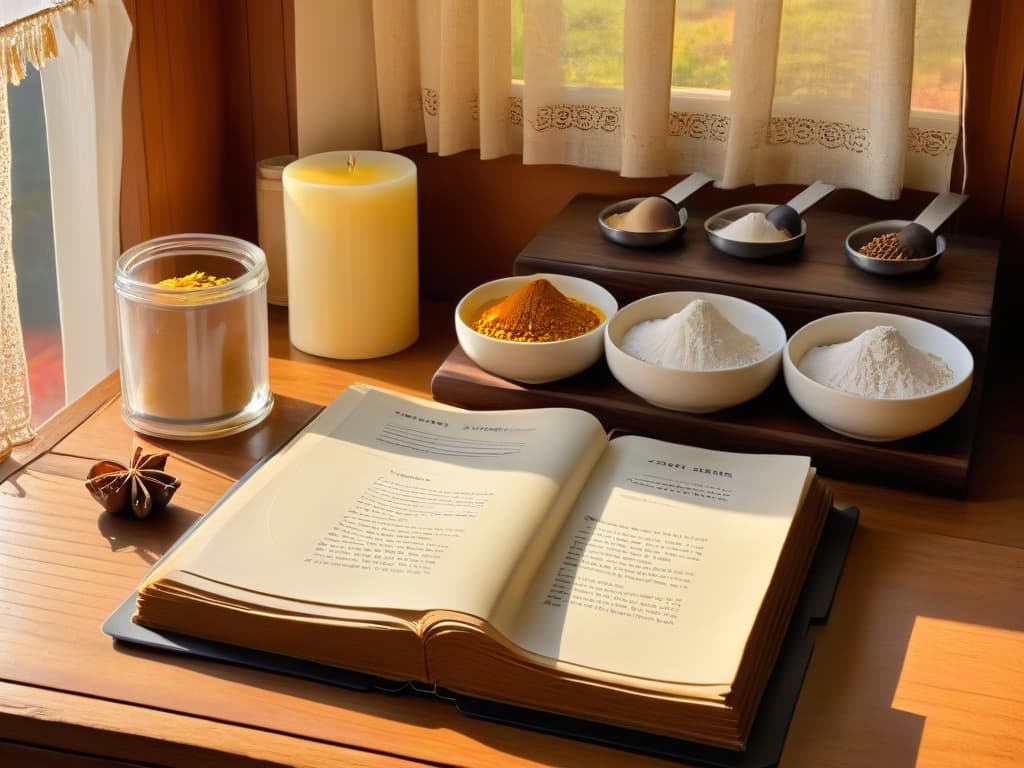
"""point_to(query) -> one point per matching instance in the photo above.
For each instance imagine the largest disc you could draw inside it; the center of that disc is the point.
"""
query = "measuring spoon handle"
(940, 209)
(677, 194)
(810, 196)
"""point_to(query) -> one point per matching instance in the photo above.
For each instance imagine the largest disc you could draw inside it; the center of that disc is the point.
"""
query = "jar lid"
(272, 167)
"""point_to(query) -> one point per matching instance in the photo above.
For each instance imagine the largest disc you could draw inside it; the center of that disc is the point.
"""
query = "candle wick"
(351, 162)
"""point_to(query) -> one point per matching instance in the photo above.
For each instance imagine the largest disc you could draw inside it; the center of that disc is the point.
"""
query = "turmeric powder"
(193, 280)
(538, 312)
(195, 364)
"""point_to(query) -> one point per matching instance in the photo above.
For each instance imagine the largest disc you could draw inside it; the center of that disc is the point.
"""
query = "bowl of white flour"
(693, 351)
(877, 376)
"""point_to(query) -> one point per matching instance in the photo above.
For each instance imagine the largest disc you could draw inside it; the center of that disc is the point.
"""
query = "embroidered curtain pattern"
(863, 93)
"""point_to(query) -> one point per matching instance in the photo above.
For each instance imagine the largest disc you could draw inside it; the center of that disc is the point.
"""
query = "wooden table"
(921, 663)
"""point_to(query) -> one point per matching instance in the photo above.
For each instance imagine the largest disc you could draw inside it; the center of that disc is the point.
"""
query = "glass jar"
(194, 361)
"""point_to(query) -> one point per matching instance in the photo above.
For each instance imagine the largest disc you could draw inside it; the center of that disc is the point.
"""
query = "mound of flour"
(754, 228)
(880, 363)
(697, 338)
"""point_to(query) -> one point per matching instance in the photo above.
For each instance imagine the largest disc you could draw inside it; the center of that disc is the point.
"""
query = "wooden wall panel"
(240, 149)
(289, 64)
(184, 130)
(1013, 208)
(1011, 268)
(268, 79)
(995, 72)
(256, 99)
(135, 224)
(207, 94)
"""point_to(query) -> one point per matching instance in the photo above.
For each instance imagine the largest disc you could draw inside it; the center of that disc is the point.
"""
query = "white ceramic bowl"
(695, 391)
(870, 418)
(533, 362)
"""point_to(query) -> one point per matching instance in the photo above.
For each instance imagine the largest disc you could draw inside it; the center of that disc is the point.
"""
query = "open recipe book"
(515, 556)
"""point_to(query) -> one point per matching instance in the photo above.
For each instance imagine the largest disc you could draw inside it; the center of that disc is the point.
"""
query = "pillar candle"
(352, 243)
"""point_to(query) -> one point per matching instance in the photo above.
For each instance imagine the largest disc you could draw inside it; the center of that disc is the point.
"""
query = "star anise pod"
(138, 489)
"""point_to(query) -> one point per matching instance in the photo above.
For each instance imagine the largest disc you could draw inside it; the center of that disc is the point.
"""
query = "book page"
(670, 550)
(398, 505)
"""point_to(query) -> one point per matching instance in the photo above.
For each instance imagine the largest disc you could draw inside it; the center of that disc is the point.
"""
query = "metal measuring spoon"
(718, 233)
(918, 237)
(649, 221)
(786, 217)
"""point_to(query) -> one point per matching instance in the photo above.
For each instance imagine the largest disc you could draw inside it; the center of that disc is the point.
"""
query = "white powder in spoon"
(753, 228)
(879, 363)
(697, 338)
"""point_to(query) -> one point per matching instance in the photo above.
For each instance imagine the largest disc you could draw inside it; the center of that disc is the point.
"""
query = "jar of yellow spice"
(192, 316)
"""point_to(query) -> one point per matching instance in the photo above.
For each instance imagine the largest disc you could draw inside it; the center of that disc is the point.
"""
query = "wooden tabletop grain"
(920, 664)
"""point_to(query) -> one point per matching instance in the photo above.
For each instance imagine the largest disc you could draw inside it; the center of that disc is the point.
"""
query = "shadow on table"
(149, 537)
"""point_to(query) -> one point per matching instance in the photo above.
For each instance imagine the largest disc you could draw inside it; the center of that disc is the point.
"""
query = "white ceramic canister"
(270, 225)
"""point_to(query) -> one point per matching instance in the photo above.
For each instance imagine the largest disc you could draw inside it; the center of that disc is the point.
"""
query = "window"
(60, 238)
(703, 36)
(33, 247)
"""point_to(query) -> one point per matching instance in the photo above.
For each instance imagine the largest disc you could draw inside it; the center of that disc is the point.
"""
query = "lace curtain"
(15, 406)
(26, 37)
(863, 93)
(82, 98)
(82, 94)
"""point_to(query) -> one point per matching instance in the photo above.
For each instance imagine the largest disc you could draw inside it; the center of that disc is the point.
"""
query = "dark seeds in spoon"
(886, 247)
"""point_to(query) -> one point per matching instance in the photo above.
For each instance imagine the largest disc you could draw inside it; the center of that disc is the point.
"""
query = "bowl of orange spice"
(534, 328)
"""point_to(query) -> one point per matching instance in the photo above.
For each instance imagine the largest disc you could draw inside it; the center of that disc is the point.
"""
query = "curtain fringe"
(31, 41)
